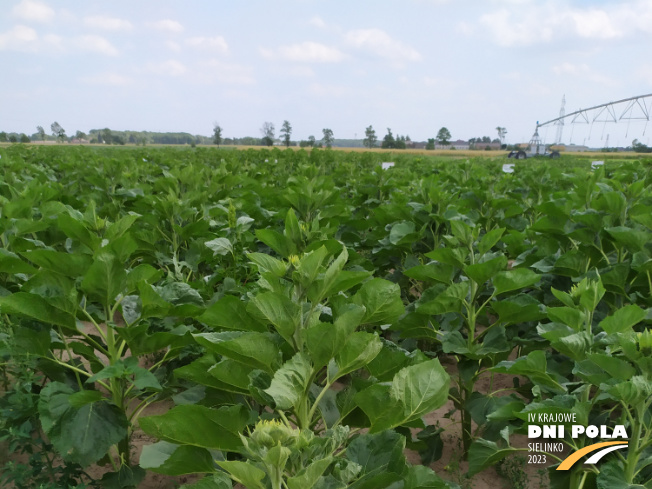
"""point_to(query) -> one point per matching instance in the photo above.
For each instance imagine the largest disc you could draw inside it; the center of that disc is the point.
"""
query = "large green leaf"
(233, 375)
(220, 246)
(421, 388)
(245, 473)
(519, 309)
(105, 278)
(292, 227)
(421, 477)
(433, 271)
(612, 476)
(170, 459)
(631, 239)
(623, 319)
(309, 266)
(614, 366)
(199, 426)
(510, 280)
(534, 366)
(308, 477)
(196, 372)
(415, 391)
(276, 241)
(291, 382)
(12, 264)
(331, 281)
(284, 314)
(35, 307)
(121, 226)
(360, 349)
(231, 313)
(400, 233)
(325, 340)
(258, 350)
(490, 239)
(345, 280)
(76, 230)
(268, 263)
(484, 453)
(81, 430)
(68, 264)
(382, 300)
(441, 299)
(482, 272)
(378, 453)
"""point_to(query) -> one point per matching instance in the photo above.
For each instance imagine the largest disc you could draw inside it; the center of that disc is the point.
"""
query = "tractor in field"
(535, 148)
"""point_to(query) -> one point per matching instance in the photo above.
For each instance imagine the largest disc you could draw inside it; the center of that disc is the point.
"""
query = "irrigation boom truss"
(635, 108)
(610, 110)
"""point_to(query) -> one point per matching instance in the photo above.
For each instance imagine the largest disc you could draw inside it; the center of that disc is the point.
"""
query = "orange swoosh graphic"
(574, 457)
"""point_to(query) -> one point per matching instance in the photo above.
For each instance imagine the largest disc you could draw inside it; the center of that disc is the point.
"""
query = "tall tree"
(41, 132)
(80, 135)
(58, 131)
(268, 133)
(107, 135)
(369, 137)
(217, 134)
(431, 143)
(24, 138)
(443, 136)
(3, 137)
(388, 141)
(311, 141)
(400, 142)
(286, 131)
(502, 132)
(328, 137)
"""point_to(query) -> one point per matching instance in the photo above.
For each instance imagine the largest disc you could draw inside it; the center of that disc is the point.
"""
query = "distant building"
(459, 144)
(575, 148)
(483, 146)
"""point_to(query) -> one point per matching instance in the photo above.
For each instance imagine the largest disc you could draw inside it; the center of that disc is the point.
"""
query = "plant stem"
(319, 398)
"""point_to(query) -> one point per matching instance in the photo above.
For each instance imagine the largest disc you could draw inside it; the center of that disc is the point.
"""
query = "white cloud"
(19, 38)
(108, 79)
(33, 11)
(512, 31)
(95, 44)
(305, 52)
(594, 24)
(217, 43)
(170, 67)
(381, 44)
(107, 23)
(167, 25)
(215, 70)
(546, 22)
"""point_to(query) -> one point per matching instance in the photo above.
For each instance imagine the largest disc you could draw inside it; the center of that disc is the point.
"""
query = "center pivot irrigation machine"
(633, 108)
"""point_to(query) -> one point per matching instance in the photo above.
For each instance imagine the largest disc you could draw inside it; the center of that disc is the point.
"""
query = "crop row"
(294, 308)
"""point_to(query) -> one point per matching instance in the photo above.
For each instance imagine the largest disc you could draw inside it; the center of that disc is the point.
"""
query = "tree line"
(267, 138)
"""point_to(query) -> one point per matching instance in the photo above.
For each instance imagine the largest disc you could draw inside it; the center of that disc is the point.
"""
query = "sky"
(413, 66)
